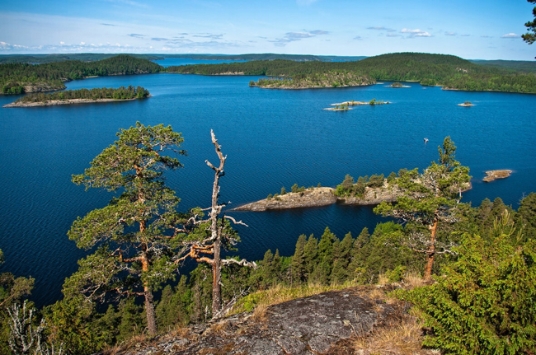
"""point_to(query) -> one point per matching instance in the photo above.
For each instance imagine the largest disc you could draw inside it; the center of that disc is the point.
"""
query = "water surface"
(273, 138)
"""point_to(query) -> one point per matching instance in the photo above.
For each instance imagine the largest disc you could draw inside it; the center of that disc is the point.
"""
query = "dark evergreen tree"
(133, 232)
(299, 262)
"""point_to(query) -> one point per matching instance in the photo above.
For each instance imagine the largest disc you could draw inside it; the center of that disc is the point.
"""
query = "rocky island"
(344, 106)
(466, 104)
(492, 175)
(365, 191)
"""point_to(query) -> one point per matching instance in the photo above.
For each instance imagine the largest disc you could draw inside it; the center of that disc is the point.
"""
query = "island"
(492, 175)
(317, 80)
(344, 106)
(466, 104)
(365, 191)
(82, 96)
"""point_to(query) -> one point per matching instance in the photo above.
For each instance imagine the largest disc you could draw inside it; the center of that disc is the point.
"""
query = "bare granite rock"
(313, 325)
(311, 197)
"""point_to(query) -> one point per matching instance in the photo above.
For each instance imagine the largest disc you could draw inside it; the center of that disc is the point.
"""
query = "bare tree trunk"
(430, 253)
(216, 279)
(215, 233)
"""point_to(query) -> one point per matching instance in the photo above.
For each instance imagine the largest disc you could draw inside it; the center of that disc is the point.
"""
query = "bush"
(485, 303)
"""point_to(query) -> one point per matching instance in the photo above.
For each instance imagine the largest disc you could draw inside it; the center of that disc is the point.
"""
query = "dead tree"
(220, 234)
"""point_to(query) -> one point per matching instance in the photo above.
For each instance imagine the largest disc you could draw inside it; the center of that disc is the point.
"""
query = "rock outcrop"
(320, 324)
(320, 196)
(311, 197)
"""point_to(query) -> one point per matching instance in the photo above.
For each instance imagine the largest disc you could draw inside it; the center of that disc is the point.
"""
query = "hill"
(18, 78)
(448, 71)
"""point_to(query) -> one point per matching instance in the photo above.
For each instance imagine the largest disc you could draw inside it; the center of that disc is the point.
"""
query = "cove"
(272, 138)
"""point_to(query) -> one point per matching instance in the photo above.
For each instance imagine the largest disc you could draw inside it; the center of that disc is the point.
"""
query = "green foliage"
(530, 36)
(296, 189)
(121, 93)
(139, 222)
(429, 198)
(350, 189)
(283, 191)
(429, 69)
(48, 77)
(485, 301)
(70, 322)
(526, 216)
(174, 306)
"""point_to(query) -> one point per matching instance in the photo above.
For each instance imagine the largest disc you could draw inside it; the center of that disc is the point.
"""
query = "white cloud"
(297, 36)
(447, 33)
(381, 28)
(416, 32)
(510, 35)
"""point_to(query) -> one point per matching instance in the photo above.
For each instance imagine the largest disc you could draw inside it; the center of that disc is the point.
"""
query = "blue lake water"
(273, 138)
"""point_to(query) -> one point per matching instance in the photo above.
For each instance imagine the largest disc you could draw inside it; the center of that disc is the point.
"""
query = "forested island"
(448, 71)
(20, 78)
(81, 96)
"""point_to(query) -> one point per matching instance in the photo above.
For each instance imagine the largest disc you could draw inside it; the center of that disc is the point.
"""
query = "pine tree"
(310, 252)
(428, 199)
(132, 231)
(299, 263)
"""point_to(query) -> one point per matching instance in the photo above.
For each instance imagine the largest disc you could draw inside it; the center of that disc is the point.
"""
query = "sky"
(469, 29)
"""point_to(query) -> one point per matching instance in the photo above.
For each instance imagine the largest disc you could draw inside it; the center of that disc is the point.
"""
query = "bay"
(273, 138)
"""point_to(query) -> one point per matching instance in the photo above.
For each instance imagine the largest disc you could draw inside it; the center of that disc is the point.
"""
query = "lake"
(273, 138)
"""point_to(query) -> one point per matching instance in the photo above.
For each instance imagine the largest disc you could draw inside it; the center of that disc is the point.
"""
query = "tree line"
(127, 285)
(121, 93)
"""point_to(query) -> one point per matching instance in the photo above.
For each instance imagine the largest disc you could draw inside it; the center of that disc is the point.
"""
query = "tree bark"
(149, 301)
(430, 253)
(216, 278)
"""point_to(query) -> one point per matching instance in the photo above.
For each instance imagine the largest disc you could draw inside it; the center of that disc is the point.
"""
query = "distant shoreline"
(62, 102)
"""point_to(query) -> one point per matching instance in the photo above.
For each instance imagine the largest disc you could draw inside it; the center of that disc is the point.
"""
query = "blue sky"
(470, 29)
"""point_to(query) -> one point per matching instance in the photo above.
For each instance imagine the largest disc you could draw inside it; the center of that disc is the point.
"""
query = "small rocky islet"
(345, 105)
(492, 175)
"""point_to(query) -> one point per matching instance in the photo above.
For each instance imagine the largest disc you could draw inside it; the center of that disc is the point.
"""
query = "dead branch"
(242, 262)
(235, 221)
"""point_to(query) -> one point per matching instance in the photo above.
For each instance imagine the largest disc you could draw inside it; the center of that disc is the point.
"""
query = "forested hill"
(51, 58)
(449, 71)
(17, 78)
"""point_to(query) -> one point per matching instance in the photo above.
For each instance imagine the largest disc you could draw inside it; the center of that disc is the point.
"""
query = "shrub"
(485, 303)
